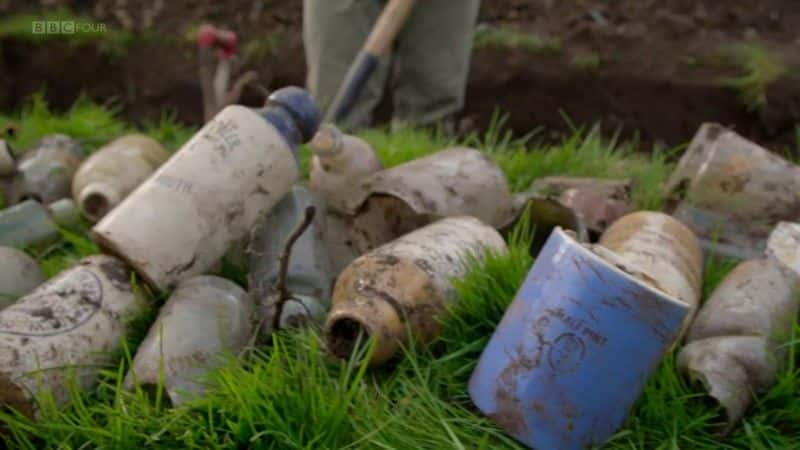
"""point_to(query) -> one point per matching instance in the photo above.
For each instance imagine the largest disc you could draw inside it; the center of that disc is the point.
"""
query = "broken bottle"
(735, 346)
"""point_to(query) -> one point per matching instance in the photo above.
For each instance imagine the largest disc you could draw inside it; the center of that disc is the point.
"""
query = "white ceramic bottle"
(181, 221)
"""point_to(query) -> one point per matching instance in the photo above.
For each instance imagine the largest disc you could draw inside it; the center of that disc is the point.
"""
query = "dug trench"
(645, 69)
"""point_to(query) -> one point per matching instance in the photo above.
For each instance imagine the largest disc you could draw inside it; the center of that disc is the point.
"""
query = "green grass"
(291, 394)
(587, 62)
(506, 36)
(759, 68)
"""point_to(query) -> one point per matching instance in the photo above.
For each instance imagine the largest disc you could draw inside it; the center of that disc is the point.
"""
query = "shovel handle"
(395, 14)
(380, 40)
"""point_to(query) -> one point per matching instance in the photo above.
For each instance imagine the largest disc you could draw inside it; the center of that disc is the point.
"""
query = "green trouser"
(429, 64)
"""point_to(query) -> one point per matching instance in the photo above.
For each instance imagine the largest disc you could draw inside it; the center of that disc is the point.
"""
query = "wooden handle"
(391, 21)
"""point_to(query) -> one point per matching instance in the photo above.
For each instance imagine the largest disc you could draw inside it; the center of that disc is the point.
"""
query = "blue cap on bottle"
(299, 103)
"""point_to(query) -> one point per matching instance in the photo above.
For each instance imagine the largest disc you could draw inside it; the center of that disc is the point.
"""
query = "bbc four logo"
(65, 27)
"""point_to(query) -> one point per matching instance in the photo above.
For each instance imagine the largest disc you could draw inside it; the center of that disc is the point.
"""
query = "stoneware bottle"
(732, 192)
(19, 275)
(181, 221)
(111, 173)
(661, 251)
(45, 171)
(340, 160)
(405, 283)
(206, 319)
(64, 332)
(450, 182)
(736, 345)
(31, 224)
(309, 274)
(574, 349)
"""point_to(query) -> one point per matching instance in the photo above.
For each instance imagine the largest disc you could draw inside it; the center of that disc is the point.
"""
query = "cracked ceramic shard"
(45, 171)
(451, 182)
(309, 275)
(734, 347)
(405, 284)
(543, 214)
(19, 275)
(732, 192)
(339, 162)
(205, 319)
(180, 222)
(31, 224)
(662, 250)
(65, 331)
(574, 349)
(111, 173)
(598, 202)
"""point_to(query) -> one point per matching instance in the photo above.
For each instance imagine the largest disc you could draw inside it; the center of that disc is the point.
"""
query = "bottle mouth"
(95, 205)
(345, 335)
(327, 141)
(97, 200)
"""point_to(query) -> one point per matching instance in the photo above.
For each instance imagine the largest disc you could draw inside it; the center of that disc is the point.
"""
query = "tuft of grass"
(291, 394)
(586, 62)
(89, 123)
(506, 36)
(255, 51)
(759, 70)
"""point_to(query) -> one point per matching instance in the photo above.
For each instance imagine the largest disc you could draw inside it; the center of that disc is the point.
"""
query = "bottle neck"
(283, 120)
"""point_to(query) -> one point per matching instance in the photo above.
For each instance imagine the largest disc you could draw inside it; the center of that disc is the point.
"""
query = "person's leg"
(333, 33)
(432, 60)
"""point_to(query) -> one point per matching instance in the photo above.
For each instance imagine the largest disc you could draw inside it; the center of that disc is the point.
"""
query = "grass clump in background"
(759, 68)
(292, 395)
(506, 36)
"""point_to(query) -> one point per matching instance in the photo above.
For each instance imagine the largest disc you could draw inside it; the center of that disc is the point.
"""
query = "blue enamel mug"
(574, 349)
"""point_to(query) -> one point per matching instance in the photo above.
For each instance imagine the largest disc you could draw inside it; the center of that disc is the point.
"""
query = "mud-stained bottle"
(111, 173)
(406, 283)
(19, 275)
(31, 224)
(44, 172)
(56, 339)
(340, 160)
(451, 182)
(732, 192)
(181, 221)
(736, 345)
(662, 251)
(309, 274)
(204, 321)
(574, 349)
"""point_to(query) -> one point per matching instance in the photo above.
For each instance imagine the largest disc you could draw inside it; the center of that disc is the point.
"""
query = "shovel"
(380, 40)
